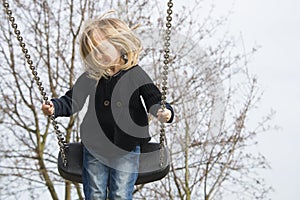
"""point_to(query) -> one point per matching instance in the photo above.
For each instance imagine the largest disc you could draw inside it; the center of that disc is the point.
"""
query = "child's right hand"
(48, 109)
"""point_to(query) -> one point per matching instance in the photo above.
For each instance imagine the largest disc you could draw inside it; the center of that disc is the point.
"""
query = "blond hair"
(118, 34)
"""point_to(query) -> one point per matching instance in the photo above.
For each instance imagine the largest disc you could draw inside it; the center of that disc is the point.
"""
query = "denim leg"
(121, 182)
(94, 176)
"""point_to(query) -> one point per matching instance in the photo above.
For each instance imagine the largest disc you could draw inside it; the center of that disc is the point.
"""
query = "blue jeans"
(101, 182)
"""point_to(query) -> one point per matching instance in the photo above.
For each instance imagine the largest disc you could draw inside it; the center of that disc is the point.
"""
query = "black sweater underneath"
(119, 103)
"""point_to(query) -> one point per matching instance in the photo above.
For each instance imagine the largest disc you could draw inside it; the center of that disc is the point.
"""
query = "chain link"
(165, 72)
(59, 135)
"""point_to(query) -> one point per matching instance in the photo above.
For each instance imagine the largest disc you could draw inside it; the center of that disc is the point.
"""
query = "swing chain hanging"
(166, 62)
(59, 135)
(61, 140)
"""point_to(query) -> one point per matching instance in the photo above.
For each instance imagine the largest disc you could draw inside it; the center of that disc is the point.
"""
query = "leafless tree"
(209, 86)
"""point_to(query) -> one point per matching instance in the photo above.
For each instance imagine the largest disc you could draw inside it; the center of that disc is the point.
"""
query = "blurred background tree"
(210, 88)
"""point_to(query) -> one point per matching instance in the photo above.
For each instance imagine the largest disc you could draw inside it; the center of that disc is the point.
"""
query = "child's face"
(105, 52)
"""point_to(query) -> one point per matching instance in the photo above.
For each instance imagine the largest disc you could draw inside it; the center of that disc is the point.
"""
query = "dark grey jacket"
(117, 107)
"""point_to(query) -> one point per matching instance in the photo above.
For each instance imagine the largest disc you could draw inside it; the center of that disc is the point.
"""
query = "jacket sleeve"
(74, 99)
(151, 94)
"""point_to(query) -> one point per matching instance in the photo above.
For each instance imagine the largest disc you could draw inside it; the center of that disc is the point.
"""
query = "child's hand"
(48, 109)
(163, 116)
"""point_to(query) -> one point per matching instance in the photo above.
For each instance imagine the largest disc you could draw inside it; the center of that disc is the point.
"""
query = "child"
(115, 124)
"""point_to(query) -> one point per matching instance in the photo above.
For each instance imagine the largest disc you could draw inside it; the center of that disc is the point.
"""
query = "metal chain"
(59, 135)
(166, 62)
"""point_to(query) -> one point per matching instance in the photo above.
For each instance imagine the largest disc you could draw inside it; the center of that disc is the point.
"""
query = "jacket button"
(119, 103)
(106, 103)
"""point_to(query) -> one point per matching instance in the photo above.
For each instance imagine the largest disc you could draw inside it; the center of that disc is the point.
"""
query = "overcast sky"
(275, 26)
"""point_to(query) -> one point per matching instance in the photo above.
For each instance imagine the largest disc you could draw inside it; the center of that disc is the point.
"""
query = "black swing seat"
(73, 170)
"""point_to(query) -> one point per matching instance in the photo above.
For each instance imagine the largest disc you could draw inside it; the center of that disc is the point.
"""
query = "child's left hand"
(163, 116)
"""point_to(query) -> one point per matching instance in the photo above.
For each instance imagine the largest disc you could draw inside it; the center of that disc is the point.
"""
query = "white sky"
(275, 25)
